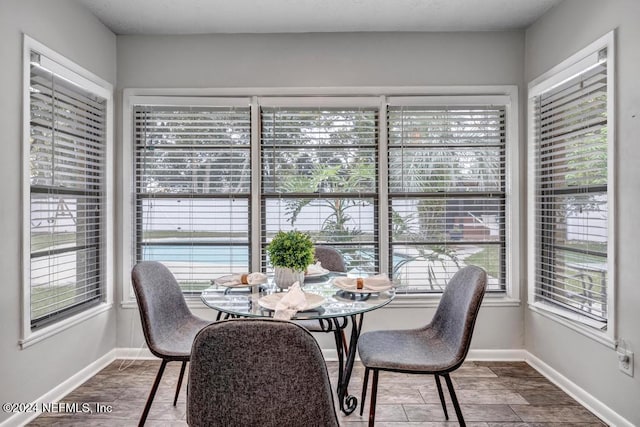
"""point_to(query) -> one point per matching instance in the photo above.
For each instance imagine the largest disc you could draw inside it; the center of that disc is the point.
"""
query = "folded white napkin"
(292, 302)
(316, 268)
(236, 279)
(379, 282)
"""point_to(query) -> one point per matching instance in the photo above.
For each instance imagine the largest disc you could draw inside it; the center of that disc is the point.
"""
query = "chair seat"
(176, 345)
(415, 350)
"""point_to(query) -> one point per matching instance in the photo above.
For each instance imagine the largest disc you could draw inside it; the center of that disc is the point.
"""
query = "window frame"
(575, 65)
(336, 97)
(128, 253)
(76, 74)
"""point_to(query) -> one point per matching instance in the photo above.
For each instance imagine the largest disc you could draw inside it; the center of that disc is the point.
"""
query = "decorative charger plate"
(269, 301)
(228, 281)
(364, 290)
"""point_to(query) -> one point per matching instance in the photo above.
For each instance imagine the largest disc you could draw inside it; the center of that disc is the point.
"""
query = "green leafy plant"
(291, 249)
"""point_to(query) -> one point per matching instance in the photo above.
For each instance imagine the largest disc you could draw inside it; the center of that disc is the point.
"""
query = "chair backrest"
(250, 372)
(456, 315)
(160, 301)
(330, 258)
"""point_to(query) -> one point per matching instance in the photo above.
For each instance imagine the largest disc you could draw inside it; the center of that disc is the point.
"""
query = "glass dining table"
(336, 311)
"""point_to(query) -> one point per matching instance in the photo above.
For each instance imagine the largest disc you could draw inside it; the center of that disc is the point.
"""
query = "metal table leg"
(346, 359)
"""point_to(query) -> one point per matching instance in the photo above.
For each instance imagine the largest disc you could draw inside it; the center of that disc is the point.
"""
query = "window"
(414, 186)
(192, 188)
(68, 153)
(570, 196)
(446, 193)
(319, 175)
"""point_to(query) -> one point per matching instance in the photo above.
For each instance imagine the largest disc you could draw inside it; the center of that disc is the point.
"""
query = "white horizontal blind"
(192, 178)
(67, 177)
(319, 175)
(446, 193)
(571, 201)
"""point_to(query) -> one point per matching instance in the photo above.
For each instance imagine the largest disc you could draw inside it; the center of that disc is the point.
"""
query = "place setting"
(362, 287)
(285, 305)
(240, 281)
(315, 271)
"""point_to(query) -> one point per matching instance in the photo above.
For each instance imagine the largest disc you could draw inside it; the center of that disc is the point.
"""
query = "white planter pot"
(285, 277)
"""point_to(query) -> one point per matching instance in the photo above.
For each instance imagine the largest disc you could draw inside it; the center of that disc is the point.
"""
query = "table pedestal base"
(346, 355)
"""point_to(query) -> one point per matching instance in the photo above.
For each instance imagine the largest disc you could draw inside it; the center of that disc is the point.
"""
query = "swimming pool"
(197, 253)
(238, 255)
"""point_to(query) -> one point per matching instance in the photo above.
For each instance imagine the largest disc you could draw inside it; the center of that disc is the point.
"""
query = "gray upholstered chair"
(437, 348)
(168, 325)
(330, 258)
(258, 372)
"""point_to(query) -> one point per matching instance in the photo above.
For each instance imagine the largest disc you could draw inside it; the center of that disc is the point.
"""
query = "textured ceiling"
(302, 16)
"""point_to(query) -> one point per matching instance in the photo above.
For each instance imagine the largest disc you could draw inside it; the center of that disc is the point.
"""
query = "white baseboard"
(331, 355)
(144, 354)
(474, 355)
(598, 408)
(497, 355)
(64, 388)
(141, 353)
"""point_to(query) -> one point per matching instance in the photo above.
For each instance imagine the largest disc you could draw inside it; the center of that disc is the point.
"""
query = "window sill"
(401, 301)
(574, 322)
(192, 303)
(428, 301)
(32, 338)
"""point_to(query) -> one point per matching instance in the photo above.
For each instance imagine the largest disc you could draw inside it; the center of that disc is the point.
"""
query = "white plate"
(227, 282)
(322, 273)
(269, 301)
(361, 291)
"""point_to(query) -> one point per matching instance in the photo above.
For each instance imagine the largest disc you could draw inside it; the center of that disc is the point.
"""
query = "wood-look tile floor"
(491, 394)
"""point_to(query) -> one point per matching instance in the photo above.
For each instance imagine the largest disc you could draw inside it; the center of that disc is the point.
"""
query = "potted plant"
(290, 253)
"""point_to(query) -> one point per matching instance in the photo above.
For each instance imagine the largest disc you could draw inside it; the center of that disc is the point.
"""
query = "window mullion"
(386, 258)
(256, 186)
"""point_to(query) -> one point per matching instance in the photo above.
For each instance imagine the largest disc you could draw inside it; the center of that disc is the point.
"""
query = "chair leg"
(152, 394)
(365, 383)
(454, 399)
(175, 399)
(344, 342)
(441, 394)
(374, 393)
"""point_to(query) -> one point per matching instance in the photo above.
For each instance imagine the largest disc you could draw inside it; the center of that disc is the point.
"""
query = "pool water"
(200, 254)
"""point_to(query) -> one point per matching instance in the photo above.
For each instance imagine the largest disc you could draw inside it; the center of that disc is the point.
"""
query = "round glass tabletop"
(246, 302)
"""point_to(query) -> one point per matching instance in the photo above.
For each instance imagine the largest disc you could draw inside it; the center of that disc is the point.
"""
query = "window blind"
(67, 196)
(446, 193)
(571, 202)
(192, 178)
(319, 175)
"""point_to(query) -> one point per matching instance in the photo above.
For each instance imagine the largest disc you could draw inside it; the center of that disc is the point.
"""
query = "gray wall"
(331, 60)
(560, 33)
(72, 31)
(311, 60)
